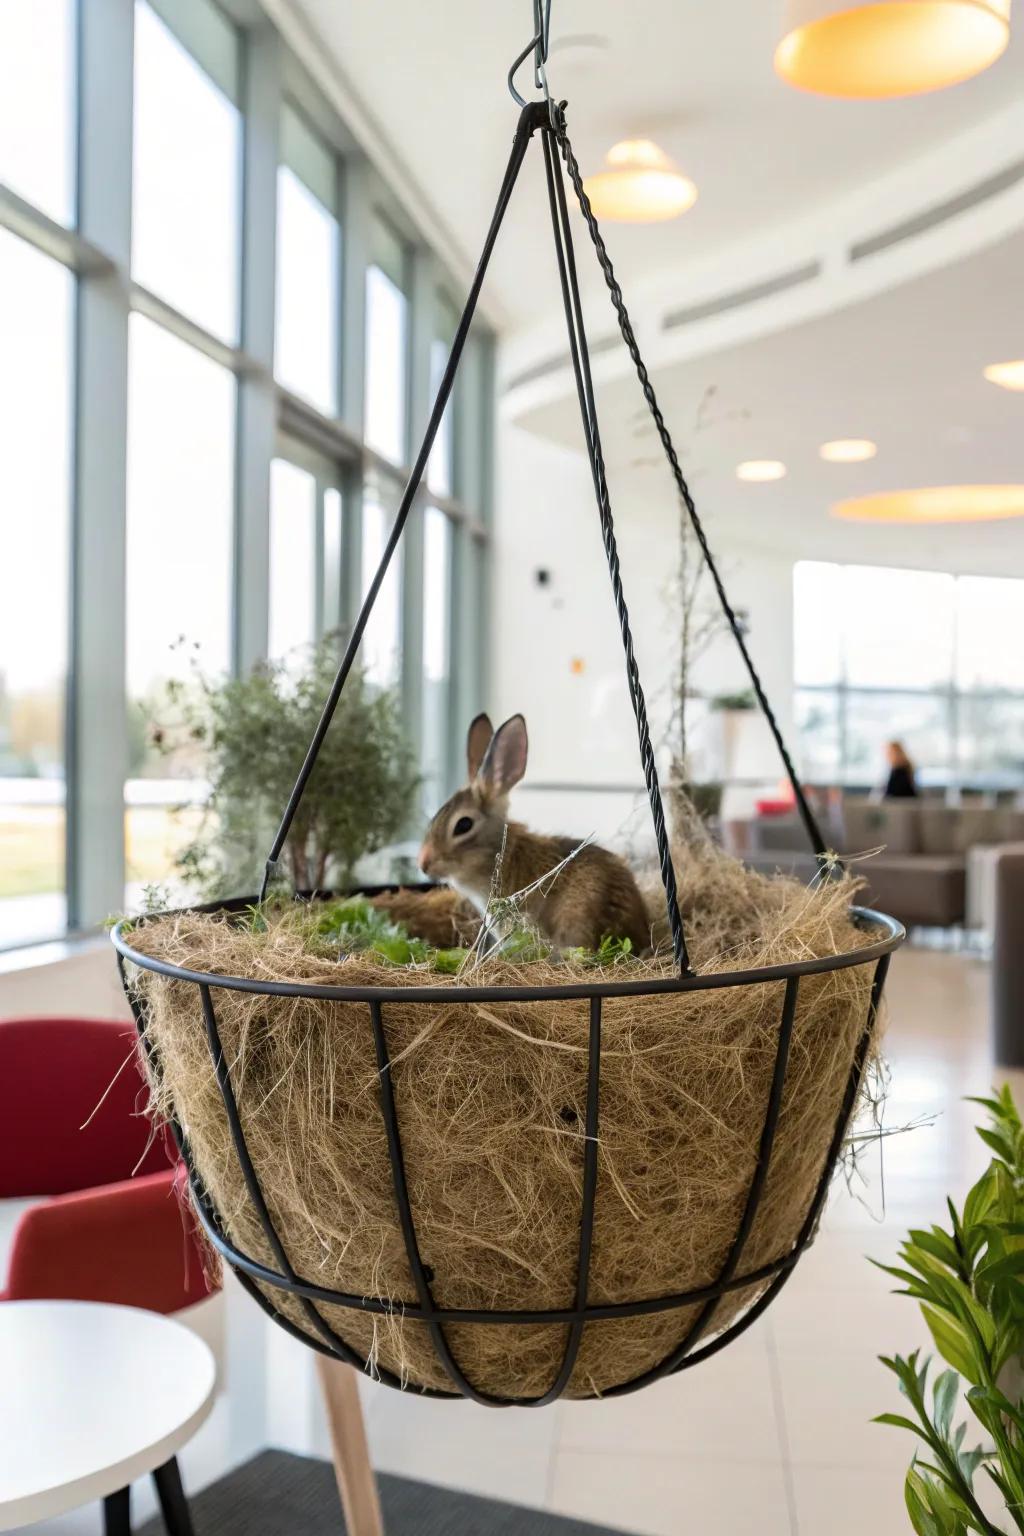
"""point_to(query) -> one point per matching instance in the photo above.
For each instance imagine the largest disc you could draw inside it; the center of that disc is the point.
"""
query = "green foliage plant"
(253, 732)
(969, 1281)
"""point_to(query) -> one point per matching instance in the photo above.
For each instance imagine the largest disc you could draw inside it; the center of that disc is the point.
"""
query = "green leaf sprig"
(969, 1283)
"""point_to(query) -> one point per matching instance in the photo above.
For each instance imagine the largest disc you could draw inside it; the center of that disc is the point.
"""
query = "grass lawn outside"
(31, 850)
(32, 846)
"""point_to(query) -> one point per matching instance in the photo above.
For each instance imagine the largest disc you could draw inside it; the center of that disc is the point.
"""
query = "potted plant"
(250, 735)
(969, 1281)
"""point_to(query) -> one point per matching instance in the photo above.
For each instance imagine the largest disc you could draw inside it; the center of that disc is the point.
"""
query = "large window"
(387, 340)
(187, 171)
(178, 610)
(441, 466)
(293, 561)
(35, 444)
(931, 659)
(167, 514)
(37, 103)
(181, 416)
(437, 558)
(382, 638)
(308, 278)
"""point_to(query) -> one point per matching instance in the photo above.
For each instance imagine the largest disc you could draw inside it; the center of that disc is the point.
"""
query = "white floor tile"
(504, 1453)
(843, 1501)
(665, 1496)
(828, 1402)
(840, 1305)
(719, 1410)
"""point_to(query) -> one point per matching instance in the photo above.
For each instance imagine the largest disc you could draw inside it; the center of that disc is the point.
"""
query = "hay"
(491, 1100)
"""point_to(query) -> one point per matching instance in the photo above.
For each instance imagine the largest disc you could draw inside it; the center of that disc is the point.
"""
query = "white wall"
(54, 980)
(581, 724)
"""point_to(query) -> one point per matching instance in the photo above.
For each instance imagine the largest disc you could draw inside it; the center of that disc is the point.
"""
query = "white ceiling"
(696, 76)
(904, 369)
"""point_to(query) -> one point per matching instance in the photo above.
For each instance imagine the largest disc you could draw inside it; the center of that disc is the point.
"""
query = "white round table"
(92, 1397)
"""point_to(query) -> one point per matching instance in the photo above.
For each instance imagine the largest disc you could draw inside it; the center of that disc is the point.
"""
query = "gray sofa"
(913, 854)
(1008, 958)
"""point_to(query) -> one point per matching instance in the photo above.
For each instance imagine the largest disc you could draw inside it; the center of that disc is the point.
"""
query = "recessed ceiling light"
(936, 504)
(640, 186)
(760, 469)
(848, 450)
(881, 48)
(1006, 375)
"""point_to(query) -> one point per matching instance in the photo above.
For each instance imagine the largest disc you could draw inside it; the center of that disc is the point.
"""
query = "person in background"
(900, 784)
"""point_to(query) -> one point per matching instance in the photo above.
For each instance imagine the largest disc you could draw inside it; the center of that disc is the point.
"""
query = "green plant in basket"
(253, 733)
(355, 925)
(969, 1282)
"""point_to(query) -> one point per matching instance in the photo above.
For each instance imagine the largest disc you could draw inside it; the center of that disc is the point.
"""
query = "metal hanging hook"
(538, 46)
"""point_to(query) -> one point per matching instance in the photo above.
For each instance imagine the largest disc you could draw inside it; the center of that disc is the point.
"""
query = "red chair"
(73, 1129)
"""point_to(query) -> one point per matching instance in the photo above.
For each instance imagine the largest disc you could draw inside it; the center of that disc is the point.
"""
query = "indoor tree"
(252, 733)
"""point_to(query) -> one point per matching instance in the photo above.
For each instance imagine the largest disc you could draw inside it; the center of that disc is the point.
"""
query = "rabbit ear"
(481, 733)
(505, 762)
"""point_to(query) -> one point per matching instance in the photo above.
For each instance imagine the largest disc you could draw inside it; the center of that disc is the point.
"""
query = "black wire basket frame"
(882, 935)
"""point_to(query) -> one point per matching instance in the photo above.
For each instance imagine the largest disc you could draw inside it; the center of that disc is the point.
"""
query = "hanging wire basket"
(319, 1312)
(602, 1333)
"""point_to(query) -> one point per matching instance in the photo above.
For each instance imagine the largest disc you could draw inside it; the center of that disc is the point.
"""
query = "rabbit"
(591, 897)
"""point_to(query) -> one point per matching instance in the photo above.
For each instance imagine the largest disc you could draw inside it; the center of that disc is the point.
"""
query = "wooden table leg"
(356, 1482)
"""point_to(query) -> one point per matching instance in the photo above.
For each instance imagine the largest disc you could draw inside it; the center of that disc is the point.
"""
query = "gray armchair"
(1008, 957)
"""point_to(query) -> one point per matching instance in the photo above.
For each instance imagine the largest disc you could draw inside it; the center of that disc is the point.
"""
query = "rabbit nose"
(426, 855)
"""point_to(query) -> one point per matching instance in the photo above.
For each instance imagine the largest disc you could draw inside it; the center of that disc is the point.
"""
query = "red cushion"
(55, 1134)
(128, 1243)
(774, 807)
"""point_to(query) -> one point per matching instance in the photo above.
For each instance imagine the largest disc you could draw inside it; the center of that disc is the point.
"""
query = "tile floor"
(771, 1437)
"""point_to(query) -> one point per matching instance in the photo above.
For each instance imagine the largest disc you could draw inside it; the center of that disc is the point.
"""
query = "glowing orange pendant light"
(640, 186)
(889, 47)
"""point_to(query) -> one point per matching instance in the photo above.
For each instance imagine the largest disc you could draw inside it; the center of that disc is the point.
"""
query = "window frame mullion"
(257, 404)
(96, 741)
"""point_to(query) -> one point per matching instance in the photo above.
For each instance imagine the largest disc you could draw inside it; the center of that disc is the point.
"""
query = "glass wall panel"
(380, 653)
(899, 627)
(181, 427)
(990, 737)
(818, 727)
(308, 277)
(922, 657)
(37, 103)
(921, 720)
(817, 622)
(293, 564)
(387, 342)
(437, 560)
(441, 466)
(36, 318)
(989, 633)
(186, 205)
(181, 431)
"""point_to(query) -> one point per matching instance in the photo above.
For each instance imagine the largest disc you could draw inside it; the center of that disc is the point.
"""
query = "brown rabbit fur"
(440, 916)
(472, 846)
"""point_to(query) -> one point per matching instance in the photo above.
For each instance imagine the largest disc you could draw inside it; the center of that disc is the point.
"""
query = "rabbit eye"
(462, 826)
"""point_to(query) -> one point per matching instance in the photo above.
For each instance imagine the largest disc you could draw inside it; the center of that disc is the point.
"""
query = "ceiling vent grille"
(723, 302)
(939, 213)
